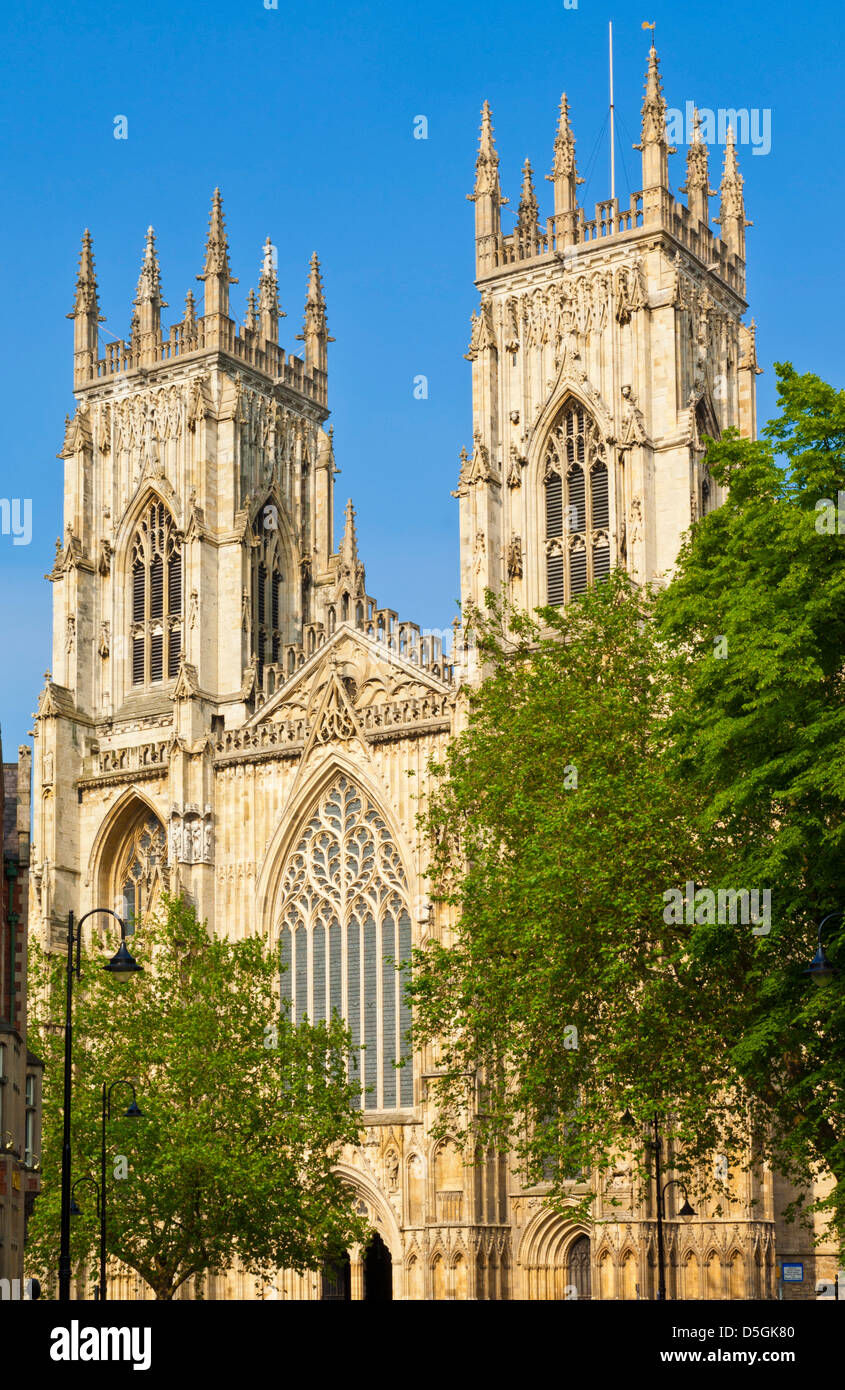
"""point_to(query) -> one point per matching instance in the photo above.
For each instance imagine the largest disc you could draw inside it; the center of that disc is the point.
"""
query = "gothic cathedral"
(231, 714)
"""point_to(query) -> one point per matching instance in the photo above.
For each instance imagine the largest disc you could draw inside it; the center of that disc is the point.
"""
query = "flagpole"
(612, 138)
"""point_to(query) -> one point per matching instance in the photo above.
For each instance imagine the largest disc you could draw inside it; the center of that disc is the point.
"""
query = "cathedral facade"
(231, 715)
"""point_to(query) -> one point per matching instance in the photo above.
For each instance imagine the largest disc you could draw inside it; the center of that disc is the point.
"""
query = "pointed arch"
(341, 918)
(273, 582)
(149, 570)
(571, 491)
(128, 864)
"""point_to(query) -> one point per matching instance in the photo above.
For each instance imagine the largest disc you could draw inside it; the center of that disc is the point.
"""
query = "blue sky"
(304, 116)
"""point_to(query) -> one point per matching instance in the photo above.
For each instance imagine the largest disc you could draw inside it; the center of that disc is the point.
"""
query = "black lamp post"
(820, 970)
(123, 967)
(133, 1113)
(686, 1211)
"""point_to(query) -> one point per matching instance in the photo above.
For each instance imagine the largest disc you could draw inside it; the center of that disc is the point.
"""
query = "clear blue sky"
(304, 116)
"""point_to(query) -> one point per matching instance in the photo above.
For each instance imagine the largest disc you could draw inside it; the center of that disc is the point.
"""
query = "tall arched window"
(138, 871)
(345, 928)
(267, 581)
(156, 626)
(577, 503)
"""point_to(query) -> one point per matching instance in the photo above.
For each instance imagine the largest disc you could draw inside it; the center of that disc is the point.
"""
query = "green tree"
(760, 731)
(243, 1113)
(562, 997)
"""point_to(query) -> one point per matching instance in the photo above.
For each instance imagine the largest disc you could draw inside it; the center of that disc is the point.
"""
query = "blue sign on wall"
(793, 1274)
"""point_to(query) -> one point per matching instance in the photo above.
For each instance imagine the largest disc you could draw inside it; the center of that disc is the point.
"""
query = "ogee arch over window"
(345, 929)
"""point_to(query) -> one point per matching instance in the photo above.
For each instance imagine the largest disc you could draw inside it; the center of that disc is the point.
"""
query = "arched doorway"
(578, 1267)
(337, 1281)
(378, 1271)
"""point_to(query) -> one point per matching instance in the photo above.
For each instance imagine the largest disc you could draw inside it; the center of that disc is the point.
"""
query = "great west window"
(345, 929)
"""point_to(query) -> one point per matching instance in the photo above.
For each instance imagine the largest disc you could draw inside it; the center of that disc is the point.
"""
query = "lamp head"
(122, 965)
(820, 970)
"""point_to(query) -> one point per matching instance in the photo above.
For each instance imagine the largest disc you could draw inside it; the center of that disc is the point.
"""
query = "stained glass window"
(345, 928)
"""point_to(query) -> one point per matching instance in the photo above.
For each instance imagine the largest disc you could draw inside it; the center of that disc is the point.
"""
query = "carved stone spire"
(487, 196)
(653, 144)
(268, 296)
(731, 219)
(315, 335)
(564, 176)
(216, 273)
(189, 322)
(85, 313)
(349, 544)
(148, 300)
(527, 225)
(251, 319)
(697, 186)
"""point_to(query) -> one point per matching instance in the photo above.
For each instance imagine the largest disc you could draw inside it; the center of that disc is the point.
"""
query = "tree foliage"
(243, 1113)
(561, 995)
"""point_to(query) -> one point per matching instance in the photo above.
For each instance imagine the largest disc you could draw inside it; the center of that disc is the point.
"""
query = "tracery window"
(156, 626)
(139, 871)
(579, 1267)
(345, 929)
(577, 503)
(267, 581)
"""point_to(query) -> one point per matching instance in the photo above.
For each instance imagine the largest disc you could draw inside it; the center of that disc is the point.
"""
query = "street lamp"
(820, 970)
(686, 1212)
(122, 966)
(133, 1113)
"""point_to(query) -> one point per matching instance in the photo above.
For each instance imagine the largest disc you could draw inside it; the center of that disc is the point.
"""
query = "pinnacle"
(486, 144)
(315, 281)
(349, 545)
(216, 245)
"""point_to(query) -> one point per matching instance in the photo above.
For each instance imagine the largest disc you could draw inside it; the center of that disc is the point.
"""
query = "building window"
(267, 581)
(29, 1122)
(156, 626)
(345, 928)
(577, 502)
(139, 872)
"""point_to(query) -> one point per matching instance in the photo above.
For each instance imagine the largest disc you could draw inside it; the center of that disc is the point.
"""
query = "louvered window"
(577, 501)
(156, 621)
(554, 566)
(577, 571)
(554, 506)
(174, 583)
(267, 594)
(345, 902)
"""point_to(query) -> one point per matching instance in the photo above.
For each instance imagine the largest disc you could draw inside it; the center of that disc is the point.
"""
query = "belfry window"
(345, 930)
(156, 626)
(267, 581)
(577, 502)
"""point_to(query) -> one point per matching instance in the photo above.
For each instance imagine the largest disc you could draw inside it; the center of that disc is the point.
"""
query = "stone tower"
(602, 349)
